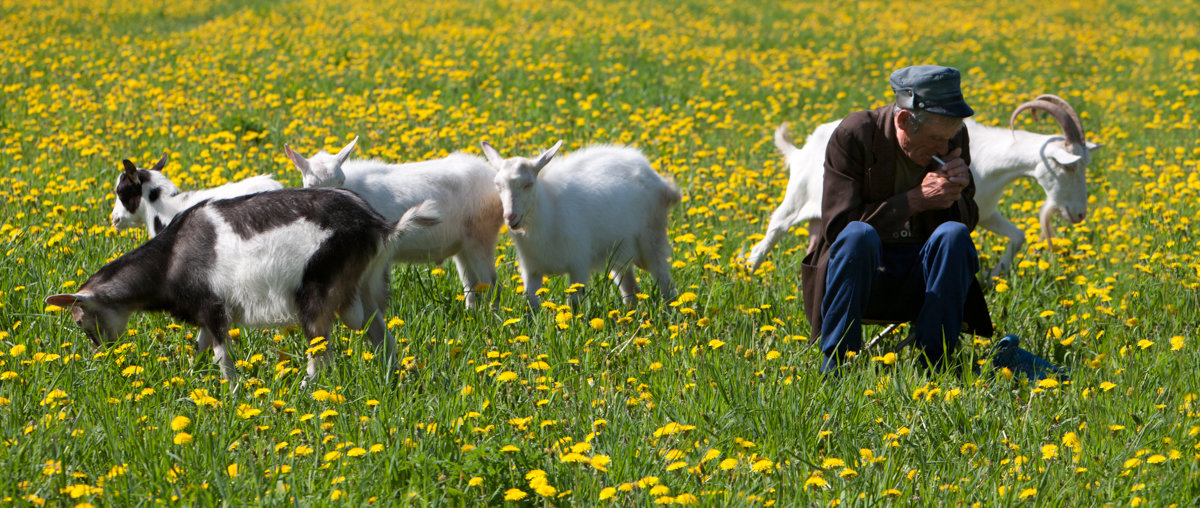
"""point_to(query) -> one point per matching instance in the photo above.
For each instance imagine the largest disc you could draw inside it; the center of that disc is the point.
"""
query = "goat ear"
(345, 153)
(545, 157)
(162, 163)
(1063, 157)
(297, 160)
(130, 170)
(66, 301)
(1092, 147)
(492, 155)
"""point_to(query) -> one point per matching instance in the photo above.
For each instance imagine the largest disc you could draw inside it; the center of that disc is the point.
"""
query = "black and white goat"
(268, 259)
(148, 196)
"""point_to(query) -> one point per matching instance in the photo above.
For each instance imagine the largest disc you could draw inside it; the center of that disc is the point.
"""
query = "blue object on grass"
(1035, 368)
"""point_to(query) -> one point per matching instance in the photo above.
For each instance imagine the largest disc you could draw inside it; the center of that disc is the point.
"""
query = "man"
(895, 242)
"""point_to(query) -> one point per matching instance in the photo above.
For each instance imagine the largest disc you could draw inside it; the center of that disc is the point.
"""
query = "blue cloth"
(1009, 354)
(923, 283)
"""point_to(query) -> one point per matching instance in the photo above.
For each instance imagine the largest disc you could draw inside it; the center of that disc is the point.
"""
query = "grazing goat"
(459, 186)
(600, 207)
(998, 157)
(267, 259)
(147, 196)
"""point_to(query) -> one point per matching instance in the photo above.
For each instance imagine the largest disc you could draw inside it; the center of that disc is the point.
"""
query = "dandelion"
(180, 422)
(1027, 493)
(1049, 451)
(232, 470)
(1176, 343)
(183, 438)
(607, 493)
(514, 494)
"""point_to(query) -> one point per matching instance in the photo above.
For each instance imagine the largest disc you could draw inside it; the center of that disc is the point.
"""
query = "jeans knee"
(954, 235)
(858, 237)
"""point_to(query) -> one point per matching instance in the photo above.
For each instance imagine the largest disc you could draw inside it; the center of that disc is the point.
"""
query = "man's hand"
(941, 187)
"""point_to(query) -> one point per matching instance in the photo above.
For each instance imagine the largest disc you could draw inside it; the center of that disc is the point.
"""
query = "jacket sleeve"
(847, 159)
(966, 207)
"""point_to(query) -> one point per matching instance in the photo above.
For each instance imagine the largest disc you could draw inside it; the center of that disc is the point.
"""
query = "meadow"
(712, 399)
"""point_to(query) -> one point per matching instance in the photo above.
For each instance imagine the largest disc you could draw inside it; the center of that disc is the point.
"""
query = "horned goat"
(998, 157)
(149, 197)
(459, 186)
(600, 207)
(267, 259)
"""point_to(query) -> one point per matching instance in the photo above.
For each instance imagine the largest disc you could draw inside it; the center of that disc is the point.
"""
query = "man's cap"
(931, 88)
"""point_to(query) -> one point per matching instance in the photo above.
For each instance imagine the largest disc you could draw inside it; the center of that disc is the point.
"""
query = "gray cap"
(932, 88)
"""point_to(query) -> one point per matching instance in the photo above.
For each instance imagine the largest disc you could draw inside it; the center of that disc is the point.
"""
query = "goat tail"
(671, 195)
(419, 217)
(782, 144)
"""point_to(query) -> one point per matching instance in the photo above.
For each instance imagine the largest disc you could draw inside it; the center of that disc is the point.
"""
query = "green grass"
(714, 400)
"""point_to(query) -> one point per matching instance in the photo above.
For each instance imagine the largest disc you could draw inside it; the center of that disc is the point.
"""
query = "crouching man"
(897, 213)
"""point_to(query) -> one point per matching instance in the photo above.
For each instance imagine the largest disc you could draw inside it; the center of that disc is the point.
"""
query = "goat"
(600, 207)
(268, 259)
(998, 157)
(148, 196)
(459, 185)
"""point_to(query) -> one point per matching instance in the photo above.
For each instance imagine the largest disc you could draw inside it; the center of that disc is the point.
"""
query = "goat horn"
(1062, 114)
(1062, 102)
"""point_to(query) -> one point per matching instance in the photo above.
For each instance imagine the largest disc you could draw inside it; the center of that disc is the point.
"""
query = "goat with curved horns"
(998, 157)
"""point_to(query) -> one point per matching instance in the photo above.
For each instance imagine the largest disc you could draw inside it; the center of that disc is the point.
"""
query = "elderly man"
(897, 214)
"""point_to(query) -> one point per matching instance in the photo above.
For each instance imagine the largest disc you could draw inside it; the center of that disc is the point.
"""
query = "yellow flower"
(967, 448)
(597, 324)
(1176, 343)
(183, 438)
(232, 470)
(1027, 493)
(815, 481)
(180, 422)
(1049, 451)
(514, 494)
(1144, 343)
(1106, 386)
(506, 376)
(607, 493)
(1070, 440)
(475, 481)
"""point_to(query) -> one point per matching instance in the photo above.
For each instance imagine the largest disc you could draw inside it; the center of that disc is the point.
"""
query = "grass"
(712, 399)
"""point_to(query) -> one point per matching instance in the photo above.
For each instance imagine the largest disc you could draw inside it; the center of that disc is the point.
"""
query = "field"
(712, 399)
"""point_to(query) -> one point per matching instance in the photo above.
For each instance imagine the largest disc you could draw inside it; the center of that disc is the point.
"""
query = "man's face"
(931, 138)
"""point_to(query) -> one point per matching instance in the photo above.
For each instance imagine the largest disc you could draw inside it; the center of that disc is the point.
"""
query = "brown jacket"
(860, 168)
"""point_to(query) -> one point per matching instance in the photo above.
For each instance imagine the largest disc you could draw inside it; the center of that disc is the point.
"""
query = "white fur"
(257, 277)
(171, 201)
(998, 157)
(459, 186)
(599, 208)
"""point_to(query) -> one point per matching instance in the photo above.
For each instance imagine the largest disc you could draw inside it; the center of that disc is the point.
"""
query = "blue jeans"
(923, 283)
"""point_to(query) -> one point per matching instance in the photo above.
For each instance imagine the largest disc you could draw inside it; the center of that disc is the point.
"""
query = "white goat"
(460, 186)
(267, 259)
(600, 207)
(998, 157)
(148, 196)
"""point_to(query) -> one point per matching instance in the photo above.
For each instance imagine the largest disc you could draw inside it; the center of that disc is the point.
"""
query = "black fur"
(157, 227)
(129, 191)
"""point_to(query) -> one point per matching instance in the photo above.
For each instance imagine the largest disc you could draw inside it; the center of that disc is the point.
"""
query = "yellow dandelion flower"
(514, 494)
(180, 422)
